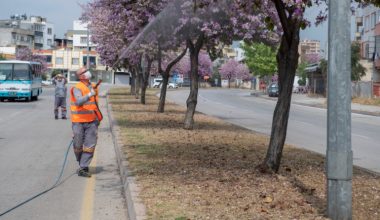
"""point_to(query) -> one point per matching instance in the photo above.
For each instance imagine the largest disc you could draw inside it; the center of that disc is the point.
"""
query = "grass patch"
(367, 101)
(209, 172)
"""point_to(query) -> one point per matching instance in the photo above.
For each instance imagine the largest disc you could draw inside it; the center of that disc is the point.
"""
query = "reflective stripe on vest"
(86, 103)
(85, 112)
(82, 112)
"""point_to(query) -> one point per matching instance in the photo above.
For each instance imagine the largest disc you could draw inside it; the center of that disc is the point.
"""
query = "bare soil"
(209, 172)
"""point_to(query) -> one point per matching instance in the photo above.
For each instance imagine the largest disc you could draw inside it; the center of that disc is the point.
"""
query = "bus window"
(36, 69)
(21, 72)
(5, 71)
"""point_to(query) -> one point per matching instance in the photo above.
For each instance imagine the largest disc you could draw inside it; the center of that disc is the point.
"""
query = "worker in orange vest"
(85, 117)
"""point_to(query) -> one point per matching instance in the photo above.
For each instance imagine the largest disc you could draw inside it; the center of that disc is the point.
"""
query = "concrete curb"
(136, 209)
(321, 106)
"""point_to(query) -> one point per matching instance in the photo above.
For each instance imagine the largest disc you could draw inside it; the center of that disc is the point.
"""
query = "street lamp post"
(88, 48)
(339, 153)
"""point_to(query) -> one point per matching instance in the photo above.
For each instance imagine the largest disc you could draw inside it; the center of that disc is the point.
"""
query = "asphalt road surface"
(307, 125)
(32, 148)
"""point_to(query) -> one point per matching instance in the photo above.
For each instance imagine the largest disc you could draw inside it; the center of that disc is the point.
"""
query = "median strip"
(209, 173)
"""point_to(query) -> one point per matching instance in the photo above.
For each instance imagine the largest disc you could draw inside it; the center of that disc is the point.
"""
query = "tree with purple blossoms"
(197, 24)
(209, 23)
(212, 23)
(26, 54)
(234, 70)
(204, 68)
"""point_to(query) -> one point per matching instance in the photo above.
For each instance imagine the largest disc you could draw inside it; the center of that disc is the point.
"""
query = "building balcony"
(359, 21)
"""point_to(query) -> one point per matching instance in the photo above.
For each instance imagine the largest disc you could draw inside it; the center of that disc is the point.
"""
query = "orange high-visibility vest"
(87, 112)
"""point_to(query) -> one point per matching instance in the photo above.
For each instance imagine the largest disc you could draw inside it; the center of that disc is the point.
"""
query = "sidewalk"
(320, 102)
(109, 202)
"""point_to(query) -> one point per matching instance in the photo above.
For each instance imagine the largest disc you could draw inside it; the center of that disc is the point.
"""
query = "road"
(32, 148)
(306, 128)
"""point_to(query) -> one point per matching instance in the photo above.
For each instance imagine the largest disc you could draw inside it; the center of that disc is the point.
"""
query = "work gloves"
(92, 93)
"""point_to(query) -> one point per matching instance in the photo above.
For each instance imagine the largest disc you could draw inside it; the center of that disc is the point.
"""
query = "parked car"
(157, 83)
(46, 82)
(172, 85)
(273, 90)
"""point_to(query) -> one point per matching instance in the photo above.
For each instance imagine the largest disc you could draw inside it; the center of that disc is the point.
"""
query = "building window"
(48, 58)
(377, 47)
(49, 42)
(49, 30)
(83, 40)
(373, 20)
(92, 61)
(59, 60)
(75, 61)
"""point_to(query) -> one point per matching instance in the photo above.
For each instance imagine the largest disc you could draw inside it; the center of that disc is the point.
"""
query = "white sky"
(62, 13)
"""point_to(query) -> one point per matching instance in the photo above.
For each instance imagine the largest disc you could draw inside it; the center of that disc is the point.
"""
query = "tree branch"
(172, 63)
(199, 43)
(159, 58)
(280, 7)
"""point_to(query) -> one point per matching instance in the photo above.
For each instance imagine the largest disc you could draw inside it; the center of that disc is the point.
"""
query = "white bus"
(20, 80)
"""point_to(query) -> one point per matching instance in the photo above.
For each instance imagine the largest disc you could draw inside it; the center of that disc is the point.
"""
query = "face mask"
(88, 75)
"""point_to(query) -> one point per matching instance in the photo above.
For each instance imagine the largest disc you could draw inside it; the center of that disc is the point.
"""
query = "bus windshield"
(21, 72)
(5, 71)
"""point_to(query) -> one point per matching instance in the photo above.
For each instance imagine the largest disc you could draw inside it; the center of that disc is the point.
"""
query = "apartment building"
(310, 46)
(79, 36)
(33, 32)
(71, 53)
(43, 32)
(368, 35)
(307, 47)
(13, 37)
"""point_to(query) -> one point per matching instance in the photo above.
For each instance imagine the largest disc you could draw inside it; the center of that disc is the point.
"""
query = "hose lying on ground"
(47, 190)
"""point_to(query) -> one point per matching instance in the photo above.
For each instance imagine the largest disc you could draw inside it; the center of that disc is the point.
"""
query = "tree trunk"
(194, 83)
(133, 82)
(165, 78)
(287, 59)
(138, 84)
(165, 81)
(145, 81)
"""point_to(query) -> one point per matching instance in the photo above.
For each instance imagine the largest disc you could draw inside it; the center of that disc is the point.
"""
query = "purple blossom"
(232, 69)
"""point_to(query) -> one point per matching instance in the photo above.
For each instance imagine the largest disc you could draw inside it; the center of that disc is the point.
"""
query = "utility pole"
(339, 153)
(88, 48)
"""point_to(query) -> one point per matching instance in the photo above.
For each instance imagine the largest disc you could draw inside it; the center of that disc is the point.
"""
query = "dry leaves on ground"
(209, 172)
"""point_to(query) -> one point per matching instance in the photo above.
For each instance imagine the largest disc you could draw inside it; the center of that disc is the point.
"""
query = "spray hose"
(57, 182)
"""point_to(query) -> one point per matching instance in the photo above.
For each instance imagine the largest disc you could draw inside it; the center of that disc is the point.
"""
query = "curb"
(136, 209)
(321, 106)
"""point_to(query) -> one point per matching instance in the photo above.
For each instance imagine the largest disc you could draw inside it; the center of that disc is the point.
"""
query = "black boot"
(84, 172)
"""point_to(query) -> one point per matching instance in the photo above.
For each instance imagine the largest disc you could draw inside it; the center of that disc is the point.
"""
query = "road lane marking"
(87, 210)
(361, 136)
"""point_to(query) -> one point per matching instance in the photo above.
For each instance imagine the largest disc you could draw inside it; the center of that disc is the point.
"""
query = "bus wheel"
(1, 99)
